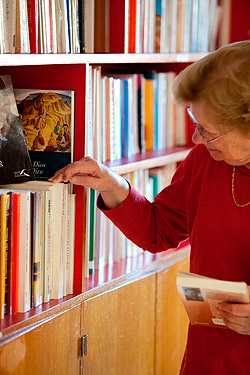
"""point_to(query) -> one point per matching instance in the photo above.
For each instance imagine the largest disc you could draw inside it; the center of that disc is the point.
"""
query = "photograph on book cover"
(47, 118)
(15, 164)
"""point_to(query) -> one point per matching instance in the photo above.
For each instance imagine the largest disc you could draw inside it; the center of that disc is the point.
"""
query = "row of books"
(37, 244)
(105, 245)
(78, 26)
(127, 114)
(39, 26)
(172, 25)
(151, 26)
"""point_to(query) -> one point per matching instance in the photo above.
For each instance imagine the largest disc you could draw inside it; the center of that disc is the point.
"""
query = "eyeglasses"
(200, 130)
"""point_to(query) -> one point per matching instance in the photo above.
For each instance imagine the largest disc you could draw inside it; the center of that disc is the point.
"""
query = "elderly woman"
(207, 201)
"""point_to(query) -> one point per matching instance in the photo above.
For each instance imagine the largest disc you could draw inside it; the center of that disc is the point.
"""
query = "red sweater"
(199, 205)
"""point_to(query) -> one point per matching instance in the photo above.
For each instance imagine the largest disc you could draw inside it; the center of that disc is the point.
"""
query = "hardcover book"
(15, 164)
(47, 118)
(202, 295)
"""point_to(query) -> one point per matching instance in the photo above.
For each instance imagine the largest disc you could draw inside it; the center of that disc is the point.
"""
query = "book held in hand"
(47, 118)
(15, 164)
(201, 296)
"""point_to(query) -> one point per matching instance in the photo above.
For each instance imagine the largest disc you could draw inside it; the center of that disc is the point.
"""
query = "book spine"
(7, 255)
(27, 269)
(3, 210)
(71, 243)
(117, 119)
(32, 7)
(117, 26)
(47, 247)
(24, 28)
(54, 35)
(91, 232)
(89, 25)
(75, 26)
(125, 125)
(101, 26)
(40, 28)
(42, 247)
(3, 28)
(62, 27)
(132, 27)
(36, 263)
(81, 25)
(149, 113)
(158, 23)
(10, 254)
(16, 253)
(138, 27)
(10, 24)
(69, 24)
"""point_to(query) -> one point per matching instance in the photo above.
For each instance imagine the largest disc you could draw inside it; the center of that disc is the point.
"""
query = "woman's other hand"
(236, 316)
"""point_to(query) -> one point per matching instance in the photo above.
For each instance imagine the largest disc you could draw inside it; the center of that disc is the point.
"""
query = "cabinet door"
(50, 348)
(171, 321)
(120, 329)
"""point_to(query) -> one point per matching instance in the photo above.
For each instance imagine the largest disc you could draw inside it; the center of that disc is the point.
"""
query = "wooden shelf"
(149, 159)
(65, 59)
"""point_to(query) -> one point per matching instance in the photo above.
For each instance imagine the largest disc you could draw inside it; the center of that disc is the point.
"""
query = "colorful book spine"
(32, 6)
(132, 27)
(10, 254)
(149, 111)
(91, 231)
(16, 246)
(3, 255)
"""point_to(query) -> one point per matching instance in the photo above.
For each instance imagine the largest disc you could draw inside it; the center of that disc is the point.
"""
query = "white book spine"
(112, 121)
(72, 212)
(89, 149)
(24, 28)
(89, 25)
(117, 118)
(57, 265)
(47, 246)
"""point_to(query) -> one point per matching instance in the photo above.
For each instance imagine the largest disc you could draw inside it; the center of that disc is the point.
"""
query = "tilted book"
(202, 295)
(47, 119)
(15, 164)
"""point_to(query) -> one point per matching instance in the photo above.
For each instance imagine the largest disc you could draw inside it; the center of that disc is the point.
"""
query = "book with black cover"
(15, 163)
(47, 118)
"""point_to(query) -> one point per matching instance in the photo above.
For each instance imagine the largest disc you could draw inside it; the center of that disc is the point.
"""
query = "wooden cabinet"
(120, 328)
(134, 326)
(171, 321)
(138, 328)
(50, 347)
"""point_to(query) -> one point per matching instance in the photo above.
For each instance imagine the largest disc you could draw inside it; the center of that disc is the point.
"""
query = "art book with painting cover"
(47, 118)
(202, 295)
(15, 164)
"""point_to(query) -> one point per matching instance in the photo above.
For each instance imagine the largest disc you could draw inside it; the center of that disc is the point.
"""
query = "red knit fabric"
(199, 205)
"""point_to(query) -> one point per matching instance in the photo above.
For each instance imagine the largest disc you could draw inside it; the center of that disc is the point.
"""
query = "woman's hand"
(236, 316)
(88, 172)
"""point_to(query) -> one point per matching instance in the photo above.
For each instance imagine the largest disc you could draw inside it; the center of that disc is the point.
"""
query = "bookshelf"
(50, 325)
(69, 71)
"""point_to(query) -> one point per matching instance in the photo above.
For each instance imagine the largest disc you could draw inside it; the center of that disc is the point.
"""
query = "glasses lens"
(191, 115)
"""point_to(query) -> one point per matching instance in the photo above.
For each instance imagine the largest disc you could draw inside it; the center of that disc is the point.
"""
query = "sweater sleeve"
(159, 225)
